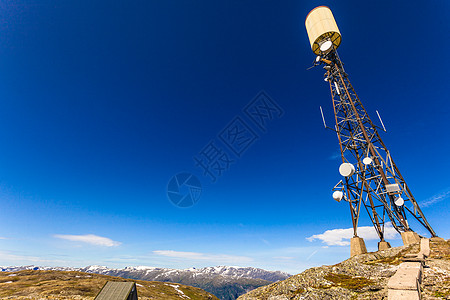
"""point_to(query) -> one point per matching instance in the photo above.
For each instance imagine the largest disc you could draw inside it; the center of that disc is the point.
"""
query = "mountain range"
(225, 282)
(72, 285)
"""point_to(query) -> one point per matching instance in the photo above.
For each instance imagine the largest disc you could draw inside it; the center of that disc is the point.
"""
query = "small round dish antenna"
(318, 58)
(326, 46)
(399, 201)
(347, 169)
(367, 160)
(338, 195)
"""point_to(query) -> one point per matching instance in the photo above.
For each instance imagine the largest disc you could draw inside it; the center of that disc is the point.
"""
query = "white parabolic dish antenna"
(399, 201)
(347, 169)
(367, 160)
(338, 195)
(326, 46)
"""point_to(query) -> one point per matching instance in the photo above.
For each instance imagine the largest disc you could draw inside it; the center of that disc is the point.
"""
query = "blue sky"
(102, 102)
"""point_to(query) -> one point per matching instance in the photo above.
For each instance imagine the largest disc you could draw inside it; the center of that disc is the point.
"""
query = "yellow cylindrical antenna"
(322, 30)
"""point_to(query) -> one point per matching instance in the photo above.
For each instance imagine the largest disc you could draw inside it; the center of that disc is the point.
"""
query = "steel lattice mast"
(371, 178)
(377, 183)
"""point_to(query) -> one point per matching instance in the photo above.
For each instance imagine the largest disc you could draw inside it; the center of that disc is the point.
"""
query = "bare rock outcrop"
(363, 276)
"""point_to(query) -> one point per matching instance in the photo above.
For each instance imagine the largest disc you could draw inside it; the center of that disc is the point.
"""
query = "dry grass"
(346, 282)
(440, 249)
(30, 284)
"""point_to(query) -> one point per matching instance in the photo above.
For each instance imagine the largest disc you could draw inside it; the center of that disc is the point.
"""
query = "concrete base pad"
(383, 245)
(357, 246)
(425, 247)
(410, 237)
(403, 295)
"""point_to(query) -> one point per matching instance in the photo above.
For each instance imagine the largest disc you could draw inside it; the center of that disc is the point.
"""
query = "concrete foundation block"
(425, 247)
(412, 269)
(357, 246)
(383, 245)
(410, 237)
(403, 281)
(403, 295)
(411, 265)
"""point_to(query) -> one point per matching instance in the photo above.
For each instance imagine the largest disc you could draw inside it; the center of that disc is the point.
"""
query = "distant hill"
(227, 283)
(52, 284)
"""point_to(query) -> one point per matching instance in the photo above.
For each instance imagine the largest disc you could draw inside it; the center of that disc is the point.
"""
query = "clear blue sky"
(102, 102)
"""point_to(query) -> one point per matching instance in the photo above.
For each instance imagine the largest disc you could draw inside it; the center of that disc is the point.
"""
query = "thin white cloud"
(89, 239)
(335, 155)
(436, 198)
(311, 255)
(8, 258)
(265, 241)
(3, 238)
(196, 256)
(341, 237)
(284, 257)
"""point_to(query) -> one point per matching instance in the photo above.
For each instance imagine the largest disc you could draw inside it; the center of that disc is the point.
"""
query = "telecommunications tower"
(371, 179)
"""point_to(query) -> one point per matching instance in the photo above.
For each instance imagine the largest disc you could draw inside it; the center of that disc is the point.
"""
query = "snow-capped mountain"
(248, 272)
(144, 272)
(223, 281)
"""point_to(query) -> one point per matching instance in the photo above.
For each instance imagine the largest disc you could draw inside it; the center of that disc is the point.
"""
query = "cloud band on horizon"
(341, 237)
(89, 239)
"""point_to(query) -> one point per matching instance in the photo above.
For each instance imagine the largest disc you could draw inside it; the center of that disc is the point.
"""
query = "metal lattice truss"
(376, 184)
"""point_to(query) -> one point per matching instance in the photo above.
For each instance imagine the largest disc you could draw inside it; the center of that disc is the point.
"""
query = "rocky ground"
(362, 277)
(436, 282)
